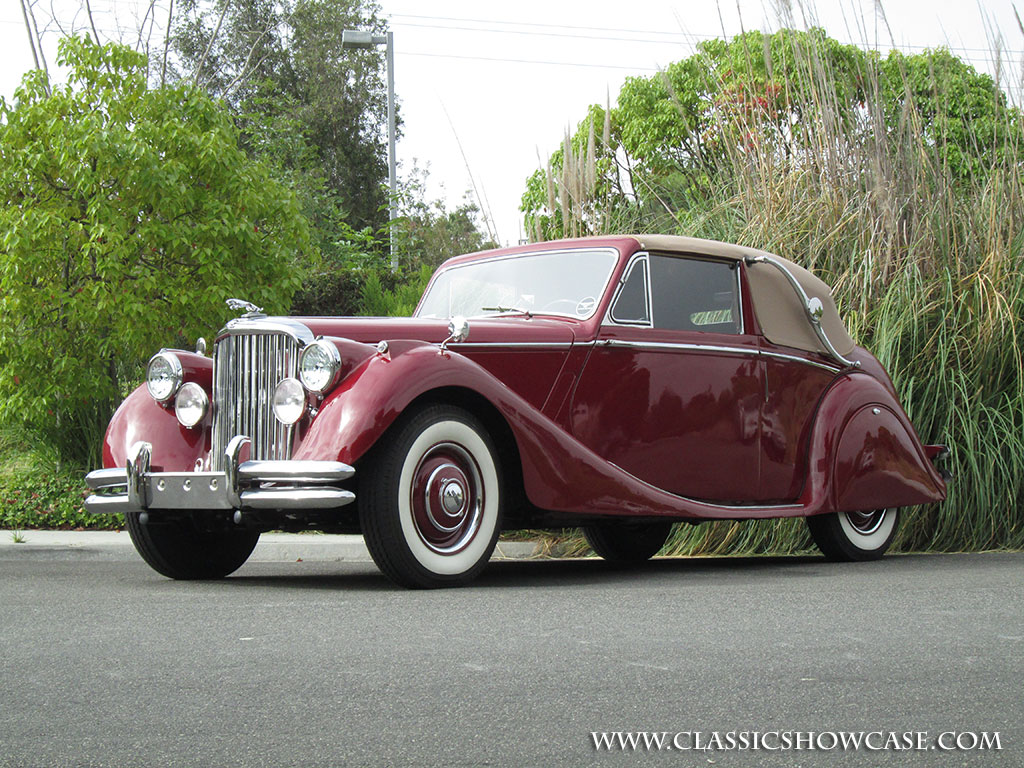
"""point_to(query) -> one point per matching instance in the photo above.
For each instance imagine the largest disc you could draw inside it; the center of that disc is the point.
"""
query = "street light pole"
(358, 38)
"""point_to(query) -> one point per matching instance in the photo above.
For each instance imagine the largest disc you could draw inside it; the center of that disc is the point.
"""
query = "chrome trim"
(458, 331)
(812, 307)
(231, 456)
(645, 256)
(335, 364)
(250, 309)
(256, 325)
(527, 344)
(714, 348)
(192, 386)
(609, 319)
(668, 346)
(249, 361)
(177, 373)
(539, 252)
(136, 470)
(739, 298)
(270, 485)
(804, 360)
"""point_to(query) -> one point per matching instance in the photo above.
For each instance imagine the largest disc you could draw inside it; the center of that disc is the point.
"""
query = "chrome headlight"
(289, 401)
(163, 376)
(319, 364)
(191, 404)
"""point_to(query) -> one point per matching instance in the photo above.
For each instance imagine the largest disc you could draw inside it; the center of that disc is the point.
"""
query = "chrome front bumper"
(257, 485)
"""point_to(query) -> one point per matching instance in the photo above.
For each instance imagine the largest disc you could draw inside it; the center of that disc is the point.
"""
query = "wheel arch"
(494, 422)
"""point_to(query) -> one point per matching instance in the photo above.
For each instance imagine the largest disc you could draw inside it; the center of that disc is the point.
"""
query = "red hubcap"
(447, 498)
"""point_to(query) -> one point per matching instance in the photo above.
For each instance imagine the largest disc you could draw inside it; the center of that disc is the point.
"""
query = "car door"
(671, 392)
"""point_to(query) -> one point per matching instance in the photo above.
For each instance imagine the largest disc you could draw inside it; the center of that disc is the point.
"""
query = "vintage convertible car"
(621, 384)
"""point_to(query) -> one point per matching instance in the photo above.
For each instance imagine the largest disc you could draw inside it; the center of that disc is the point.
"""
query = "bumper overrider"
(247, 485)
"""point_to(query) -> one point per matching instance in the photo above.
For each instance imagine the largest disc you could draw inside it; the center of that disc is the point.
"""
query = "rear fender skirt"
(865, 453)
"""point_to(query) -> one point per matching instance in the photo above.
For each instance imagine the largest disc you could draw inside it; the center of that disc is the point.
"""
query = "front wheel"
(180, 549)
(850, 536)
(624, 542)
(431, 499)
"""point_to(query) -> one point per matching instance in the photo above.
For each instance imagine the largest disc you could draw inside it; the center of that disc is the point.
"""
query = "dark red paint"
(606, 428)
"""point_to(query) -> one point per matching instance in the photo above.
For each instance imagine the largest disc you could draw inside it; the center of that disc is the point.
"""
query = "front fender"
(355, 414)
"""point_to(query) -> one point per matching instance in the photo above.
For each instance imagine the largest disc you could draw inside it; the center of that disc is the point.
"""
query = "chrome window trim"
(640, 257)
(541, 252)
(645, 256)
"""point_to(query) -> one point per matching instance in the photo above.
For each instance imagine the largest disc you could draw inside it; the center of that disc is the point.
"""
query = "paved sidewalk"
(273, 547)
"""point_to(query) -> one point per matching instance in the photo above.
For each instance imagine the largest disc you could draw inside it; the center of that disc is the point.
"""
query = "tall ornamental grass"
(897, 180)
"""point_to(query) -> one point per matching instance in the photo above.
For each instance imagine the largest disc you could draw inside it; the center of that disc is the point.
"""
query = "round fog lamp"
(289, 401)
(163, 376)
(319, 365)
(191, 404)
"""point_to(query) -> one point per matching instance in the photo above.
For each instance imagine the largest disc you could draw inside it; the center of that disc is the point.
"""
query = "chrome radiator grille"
(246, 369)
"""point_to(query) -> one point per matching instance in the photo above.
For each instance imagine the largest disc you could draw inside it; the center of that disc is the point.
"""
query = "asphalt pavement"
(322, 662)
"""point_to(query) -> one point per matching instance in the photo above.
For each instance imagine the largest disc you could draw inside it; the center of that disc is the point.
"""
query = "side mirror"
(458, 330)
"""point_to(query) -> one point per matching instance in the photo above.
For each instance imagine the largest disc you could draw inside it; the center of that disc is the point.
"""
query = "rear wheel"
(431, 501)
(623, 542)
(850, 536)
(179, 549)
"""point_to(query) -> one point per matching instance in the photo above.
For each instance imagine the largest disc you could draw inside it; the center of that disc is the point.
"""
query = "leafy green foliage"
(128, 216)
(399, 301)
(318, 109)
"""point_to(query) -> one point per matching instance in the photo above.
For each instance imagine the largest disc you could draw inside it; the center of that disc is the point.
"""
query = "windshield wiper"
(518, 310)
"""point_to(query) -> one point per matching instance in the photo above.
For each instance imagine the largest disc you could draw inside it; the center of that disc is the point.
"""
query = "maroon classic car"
(621, 384)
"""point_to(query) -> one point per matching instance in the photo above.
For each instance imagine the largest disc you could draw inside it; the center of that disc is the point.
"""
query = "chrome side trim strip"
(670, 346)
(521, 344)
(804, 360)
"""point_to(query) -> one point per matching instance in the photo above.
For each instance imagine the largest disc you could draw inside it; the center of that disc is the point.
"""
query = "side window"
(632, 305)
(694, 294)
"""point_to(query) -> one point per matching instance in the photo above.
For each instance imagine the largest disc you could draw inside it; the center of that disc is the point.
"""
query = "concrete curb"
(273, 547)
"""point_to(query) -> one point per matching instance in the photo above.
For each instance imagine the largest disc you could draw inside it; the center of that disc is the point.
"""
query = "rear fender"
(865, 452)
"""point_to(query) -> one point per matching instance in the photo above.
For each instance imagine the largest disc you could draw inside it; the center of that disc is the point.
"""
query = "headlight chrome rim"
(191, 404)
(321, 375)
(289, 401)
(165, 387)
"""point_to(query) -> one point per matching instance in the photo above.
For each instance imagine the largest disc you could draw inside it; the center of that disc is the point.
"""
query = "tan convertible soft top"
(779, 309)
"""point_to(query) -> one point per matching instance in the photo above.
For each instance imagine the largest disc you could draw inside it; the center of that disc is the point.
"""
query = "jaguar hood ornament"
(251, 310)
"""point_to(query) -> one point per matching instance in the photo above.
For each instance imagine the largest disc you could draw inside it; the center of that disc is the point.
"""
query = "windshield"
(568, 283)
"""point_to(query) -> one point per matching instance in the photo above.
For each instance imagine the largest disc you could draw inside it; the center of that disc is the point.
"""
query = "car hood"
(525, 354)
(490, 330)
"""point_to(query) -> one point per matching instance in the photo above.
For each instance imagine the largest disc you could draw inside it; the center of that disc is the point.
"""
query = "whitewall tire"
(854, 535)
(430, 503)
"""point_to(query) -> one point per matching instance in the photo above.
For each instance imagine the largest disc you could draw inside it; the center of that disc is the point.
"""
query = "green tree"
(280, 65)
(128, 216)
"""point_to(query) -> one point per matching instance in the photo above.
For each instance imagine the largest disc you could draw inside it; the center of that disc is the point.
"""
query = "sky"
(486, 91)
